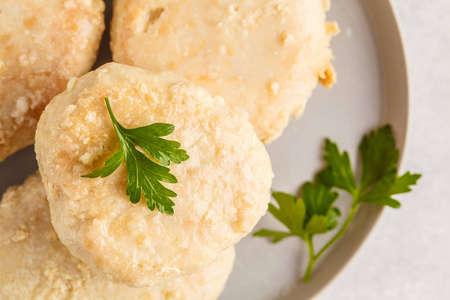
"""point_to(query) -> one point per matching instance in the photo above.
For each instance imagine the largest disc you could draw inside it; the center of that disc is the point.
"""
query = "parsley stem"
(312, 259)
(342, 230)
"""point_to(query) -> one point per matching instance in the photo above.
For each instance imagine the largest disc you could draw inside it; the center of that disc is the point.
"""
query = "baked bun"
(43, 44)
(35, 265)
(223, 188)
(263, 56)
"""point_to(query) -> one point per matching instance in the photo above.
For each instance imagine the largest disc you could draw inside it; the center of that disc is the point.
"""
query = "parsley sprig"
(313, 213)
(143, 174)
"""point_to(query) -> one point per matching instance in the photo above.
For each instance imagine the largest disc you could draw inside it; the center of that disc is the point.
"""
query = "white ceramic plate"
(371, 90)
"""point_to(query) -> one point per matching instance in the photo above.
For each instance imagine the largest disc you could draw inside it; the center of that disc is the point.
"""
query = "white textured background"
(407, 256)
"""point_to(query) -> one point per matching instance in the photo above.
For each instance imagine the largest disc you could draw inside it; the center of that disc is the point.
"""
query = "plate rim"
(396, 102)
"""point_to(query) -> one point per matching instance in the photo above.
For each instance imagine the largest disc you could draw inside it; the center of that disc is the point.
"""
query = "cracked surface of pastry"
(223, 188)
(43, 44)
(35, 265)
(264, 56)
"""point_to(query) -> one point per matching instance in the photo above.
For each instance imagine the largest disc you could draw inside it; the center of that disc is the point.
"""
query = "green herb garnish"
(143, 173)
(313, 213)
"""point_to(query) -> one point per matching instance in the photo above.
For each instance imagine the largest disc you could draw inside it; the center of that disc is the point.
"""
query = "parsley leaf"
(148, 138)
(303, 216)
(275, 235)
(379, 181)
(318, 200)
(291, 213)
(338, 172)
(110, 166)
(379, 157)
(143, 174)
(390, 185)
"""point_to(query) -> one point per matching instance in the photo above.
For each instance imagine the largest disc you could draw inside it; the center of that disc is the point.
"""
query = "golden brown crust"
(43, 44)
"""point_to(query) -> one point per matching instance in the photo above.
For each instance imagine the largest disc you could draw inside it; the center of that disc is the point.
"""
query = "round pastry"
(35, 265)
(223, 188)
(43, 44)
(263, 56)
